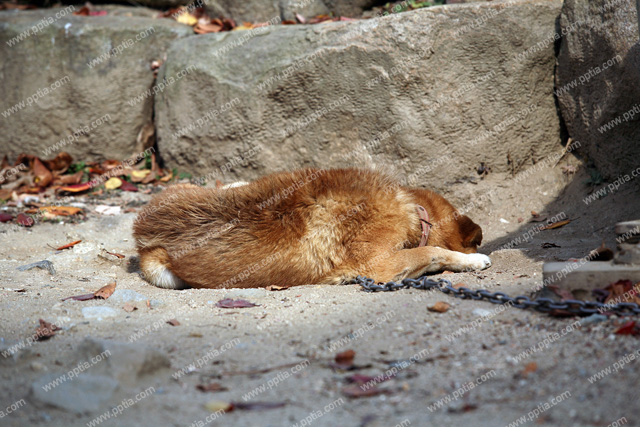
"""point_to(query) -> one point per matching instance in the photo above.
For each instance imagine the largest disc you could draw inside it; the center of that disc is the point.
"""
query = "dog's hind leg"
(400, 264)
(154, 263)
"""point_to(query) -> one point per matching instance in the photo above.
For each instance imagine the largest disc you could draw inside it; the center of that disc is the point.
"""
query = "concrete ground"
(476, 364)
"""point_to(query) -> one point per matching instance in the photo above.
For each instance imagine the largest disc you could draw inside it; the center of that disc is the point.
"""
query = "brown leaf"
(556, 225)
(106, 291)
(84, 297)
(530, 368)
(24, 220)
(277, 288)
(69, 179)
(173, 322)
(54, 211)
(68, 245)
(439, 307)
(151, 177)
(128, 307)
(46, 330)
(356, 391)
(115, 254)
(231, 303)
(205, 28)
(60, 163)
(211, 387)
(345, 358)
(43, 176)
(251, 406)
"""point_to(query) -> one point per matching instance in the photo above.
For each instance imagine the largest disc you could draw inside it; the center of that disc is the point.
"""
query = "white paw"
(478, 261)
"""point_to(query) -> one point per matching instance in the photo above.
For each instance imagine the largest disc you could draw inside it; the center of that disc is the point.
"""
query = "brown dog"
(310, 226)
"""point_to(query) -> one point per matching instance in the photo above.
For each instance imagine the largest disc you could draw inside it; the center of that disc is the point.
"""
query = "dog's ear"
(470, 232)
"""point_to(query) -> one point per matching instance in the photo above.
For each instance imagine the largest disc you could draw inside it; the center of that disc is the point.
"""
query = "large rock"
(273, 10)
(438, 89)
(598, 81)
(53, 96)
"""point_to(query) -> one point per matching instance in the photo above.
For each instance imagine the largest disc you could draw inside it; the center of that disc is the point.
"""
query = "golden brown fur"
(303, 227)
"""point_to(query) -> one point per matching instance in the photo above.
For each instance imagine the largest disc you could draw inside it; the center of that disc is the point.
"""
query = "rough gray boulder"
(268, 10)
(77, 83)
(427, 92)
(598, 81)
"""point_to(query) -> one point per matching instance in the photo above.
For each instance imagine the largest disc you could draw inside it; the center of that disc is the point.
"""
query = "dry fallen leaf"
(173, 322)
(5, 217)
(345, 358)
(43, 176)
(127, 186)
(187, 19)
(84, 297)
(115, 254)
(113, 183)
(106, 291)
(46, 330)
(68, 245)
(257, 405)
(76, 188)
(217, 405)
(530, 368)
(231, 303)
(357, 391)
(628, 328)
(24, 220)
(211, 387)
(556, 225)
(54, 211)
(439, 307)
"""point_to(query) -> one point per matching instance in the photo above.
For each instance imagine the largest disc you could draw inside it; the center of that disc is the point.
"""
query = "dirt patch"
(472, 364)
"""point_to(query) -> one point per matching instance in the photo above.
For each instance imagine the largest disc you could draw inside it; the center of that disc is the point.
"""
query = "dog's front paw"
(478, 261)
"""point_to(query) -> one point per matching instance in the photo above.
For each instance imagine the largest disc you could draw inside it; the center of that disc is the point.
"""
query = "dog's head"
(470, 234)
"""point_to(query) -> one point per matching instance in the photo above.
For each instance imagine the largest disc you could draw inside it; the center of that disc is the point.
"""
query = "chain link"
(545, 305)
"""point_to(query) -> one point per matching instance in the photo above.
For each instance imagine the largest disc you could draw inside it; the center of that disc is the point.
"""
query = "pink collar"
(425, 224)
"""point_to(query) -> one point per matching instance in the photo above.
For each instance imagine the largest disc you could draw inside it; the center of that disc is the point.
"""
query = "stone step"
(578, 275)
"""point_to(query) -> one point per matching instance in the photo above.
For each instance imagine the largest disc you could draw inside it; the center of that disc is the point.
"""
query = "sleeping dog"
(311, 226)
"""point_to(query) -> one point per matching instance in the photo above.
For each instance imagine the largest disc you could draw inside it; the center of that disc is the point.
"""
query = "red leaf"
(239, 303)
(24, 220)
(84, 297)
(4, 217)
(127, 186)
(628, 328)
(173, 322)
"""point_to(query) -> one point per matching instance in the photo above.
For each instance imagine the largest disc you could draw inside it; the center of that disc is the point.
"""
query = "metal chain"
(544, 305)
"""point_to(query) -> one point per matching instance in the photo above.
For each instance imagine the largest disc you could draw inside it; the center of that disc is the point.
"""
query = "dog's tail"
(154, 263)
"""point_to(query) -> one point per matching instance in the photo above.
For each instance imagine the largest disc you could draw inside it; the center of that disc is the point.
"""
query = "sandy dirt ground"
(474, 364)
